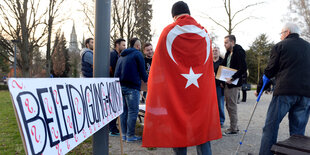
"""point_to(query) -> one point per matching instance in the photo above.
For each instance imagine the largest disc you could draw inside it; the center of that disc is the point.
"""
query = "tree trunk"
(48, 46)
(25, 56)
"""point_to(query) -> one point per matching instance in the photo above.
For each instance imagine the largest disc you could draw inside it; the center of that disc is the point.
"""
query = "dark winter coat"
(290, 64)
(237, 62)
(113, 60)
(130, 68)
(216, 67)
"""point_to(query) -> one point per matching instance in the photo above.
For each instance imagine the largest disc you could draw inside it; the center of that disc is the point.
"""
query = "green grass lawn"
(10, 139)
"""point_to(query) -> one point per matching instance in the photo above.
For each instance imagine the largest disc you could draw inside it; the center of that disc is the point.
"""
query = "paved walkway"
(228, 144)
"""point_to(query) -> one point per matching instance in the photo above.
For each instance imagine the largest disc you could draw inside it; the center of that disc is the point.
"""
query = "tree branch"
(241, 22)
(246, 7)
(218, 23)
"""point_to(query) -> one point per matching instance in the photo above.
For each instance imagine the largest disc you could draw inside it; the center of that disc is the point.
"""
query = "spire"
(73, 28)
(73, 46)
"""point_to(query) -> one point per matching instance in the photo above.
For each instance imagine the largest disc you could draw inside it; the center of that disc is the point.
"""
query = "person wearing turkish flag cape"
(181, 104)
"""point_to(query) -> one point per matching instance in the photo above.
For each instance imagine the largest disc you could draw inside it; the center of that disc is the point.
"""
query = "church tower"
(73, 45)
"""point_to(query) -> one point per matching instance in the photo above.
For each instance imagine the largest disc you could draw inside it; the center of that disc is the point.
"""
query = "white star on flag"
(191, 78)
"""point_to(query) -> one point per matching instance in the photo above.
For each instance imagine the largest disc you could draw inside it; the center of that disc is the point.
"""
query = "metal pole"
(102, 65)
(246, 130)
(265, 81)
(15, 60)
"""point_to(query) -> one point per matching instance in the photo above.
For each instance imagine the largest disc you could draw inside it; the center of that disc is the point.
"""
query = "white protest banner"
(57, 114)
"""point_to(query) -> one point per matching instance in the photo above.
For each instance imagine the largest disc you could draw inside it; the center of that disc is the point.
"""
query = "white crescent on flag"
(178, 30)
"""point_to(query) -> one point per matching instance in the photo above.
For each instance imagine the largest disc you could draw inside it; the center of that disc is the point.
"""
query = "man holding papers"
(234, 59)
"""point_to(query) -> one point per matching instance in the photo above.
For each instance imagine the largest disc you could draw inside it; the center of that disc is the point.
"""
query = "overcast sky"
(268, 19)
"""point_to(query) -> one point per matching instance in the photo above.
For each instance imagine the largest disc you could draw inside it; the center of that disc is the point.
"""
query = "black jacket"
(290, 64)
(130, 68)
(113, 60)
(237, 62)
(148, 63)
(216, 67)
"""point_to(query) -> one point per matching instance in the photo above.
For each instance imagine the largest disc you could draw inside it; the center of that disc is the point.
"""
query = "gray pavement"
(228, 144)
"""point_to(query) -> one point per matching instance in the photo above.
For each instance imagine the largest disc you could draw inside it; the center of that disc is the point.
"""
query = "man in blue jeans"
(217, 60)
(289, 63)
(130, 68)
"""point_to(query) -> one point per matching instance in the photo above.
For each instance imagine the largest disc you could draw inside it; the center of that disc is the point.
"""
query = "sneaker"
(229, 132)
(114, 134)
(223, 134)
(134, 139)
(124, 138)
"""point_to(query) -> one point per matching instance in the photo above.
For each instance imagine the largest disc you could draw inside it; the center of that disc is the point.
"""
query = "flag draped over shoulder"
(181, 104)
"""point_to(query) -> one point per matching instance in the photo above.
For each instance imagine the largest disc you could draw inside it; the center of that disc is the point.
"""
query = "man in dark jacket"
(130, 69)
(234, 58)
(119, 46)
(217, 60)
(289, 63)
(148, 52)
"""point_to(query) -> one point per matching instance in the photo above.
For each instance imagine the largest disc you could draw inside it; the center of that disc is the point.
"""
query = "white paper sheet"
(227, 73)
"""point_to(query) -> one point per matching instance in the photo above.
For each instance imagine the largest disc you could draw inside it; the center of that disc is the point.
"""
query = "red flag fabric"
(181, 104)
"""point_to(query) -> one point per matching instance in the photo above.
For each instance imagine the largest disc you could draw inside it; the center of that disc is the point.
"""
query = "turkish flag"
(181, 104)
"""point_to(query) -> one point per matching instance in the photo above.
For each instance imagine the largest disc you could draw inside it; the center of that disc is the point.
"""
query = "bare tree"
(53, 8)
(22, 21)
(302, 9)
(119, 18)
(124, 16)
(132, 22)
(38, 64)
(89, 13)
(232, 16)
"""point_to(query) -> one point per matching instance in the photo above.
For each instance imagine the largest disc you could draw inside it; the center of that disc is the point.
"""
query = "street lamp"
(15, 43)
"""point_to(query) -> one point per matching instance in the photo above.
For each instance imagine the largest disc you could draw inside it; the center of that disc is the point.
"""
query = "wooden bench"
(295, 145)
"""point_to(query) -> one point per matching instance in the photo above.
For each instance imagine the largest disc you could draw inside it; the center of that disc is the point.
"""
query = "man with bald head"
(289, 63)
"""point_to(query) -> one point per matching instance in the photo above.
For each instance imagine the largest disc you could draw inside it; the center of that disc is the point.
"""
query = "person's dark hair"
(87, 41)
(118, 41)
(133, 41)
(179, 7)
(231, 38)
(146, 45)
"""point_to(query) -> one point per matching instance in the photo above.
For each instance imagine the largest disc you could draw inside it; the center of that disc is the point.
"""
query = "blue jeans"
(220, 101)
(298, 108)
(131, 99)
(202, 149)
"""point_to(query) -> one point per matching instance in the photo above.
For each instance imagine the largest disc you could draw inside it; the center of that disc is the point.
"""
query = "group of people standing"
(131, 67)
(188, 109)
